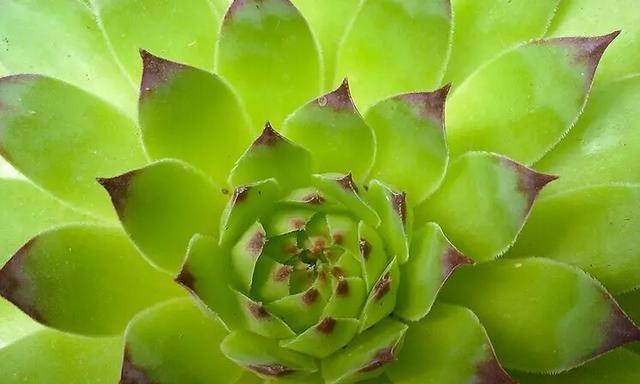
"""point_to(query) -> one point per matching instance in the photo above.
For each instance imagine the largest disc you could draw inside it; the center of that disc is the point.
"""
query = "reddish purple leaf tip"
(118, 188)
(14, 283)
(268, 138)
(275, 370)
(339, 100)
(132, 374)
(489, 371)
(452, 259)
(430, 104)
(382, 357)
(186, 278)
(399, 204)
(347, 183)
(530, 182)
(618, 329)
(326, 326)
(155, 72)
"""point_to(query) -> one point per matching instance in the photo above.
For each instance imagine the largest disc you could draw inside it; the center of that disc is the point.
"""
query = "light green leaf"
(50, 356)
(260, 321)
(63, 138)
(245, 253)
(382, 296)
(344, 190)
(574, 319)
(190, 114)
(411, 148)
(301, 310)
(324, 338)
(333, 130)
(174, 343)
(14, 324)
(433, 260)
(604, 145)
(83, 279)
(483, 29)
(594, 17)
(162, 206)
(267, 52)
(483, 202)
(372, 255)
(347, 298)
(524, 101)
(593, 228)
(395, 46)
(450, 346)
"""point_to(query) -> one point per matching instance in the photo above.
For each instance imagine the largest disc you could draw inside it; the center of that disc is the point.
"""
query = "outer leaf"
(174, 343)
(331, 128)
(273, 156)
(433, 260)
(523, 102)
(448, 346)
(483, 203)
(189, 114)
(162, 206)
(328, 20)
(404, 43)
(62, 138)
(53, 278)
(593, 17)
(483, 29)
(50, 356)
(75, 51)
(411, 149)
(619, 366)
(574, 319)
(630, 303)
(267, 52)
(604, 144)
(594, 228)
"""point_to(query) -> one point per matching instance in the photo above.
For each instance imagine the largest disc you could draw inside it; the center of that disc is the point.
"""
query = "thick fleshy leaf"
(84, 279)
(433, 260)
(245, 253)
(328, 20)
(605, 143)
(273, 156)
(265, 357)
(182, 30)
(372, 255)
(344, 190)
(395, 46)
(594, 228)
(50, 356)
(382, 296)
(448, 346)
(25, 211)
(348, 297)
(335, 133)
(301, 310)
(523, 102)
(630, 303)
(574, 319)
(75, 52)
(324, 338)
(174, 343)
(14, 324)
(260, 321)
(618, 366)
(267, 52)
(189, 114)
(594, 17)
(162, 206)
(486, 28)
(62, 138)
(483, 202)
(411, 149)
(367, 356)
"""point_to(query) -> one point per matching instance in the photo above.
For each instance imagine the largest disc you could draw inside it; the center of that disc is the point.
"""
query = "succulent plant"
(476, 223)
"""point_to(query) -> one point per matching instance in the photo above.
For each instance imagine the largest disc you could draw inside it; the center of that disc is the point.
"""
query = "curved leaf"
(267, 52)
(483, 202)
(411, 148)
(594, 228)
(550, 317)
(483, 29)
(524, 101)
(176, 342)
(404, 43)
(324, 338)
(62, 138)
(84, 279)
(14, 324)
(189, 114)
(344, 190)
(331, 128)
(605, 143)
(162, 206)
(448, 346)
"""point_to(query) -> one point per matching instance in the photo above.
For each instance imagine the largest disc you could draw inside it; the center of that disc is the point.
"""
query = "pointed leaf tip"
(155, 71)
(531, 182)
(130, 373)
(269, 137)
(12, 283)
(618, 329)
(117, 187)
(431, 104)
(452, 259)
(490, 371)
(340, 99)
(347, 183)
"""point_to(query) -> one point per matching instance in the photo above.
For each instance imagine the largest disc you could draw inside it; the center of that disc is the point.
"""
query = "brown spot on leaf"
(282, 273)
(338, 238)
(337, 272)
(275, 370)
(452, 259)
(132, 374)
(310, 296)
(268, 138)
(15, 284)
(347, 183)
(318, 244)
(382, 287)
(118, 188)
(343, 288)
(258, 311)
(240, 194)
(399, 204)
(489, 371)
(313, 198)
(382, 357)
(365, 249)
(326, 326)
(430, 105)
(297, 223)
(256, 243)
(339, 100)
(186, 278)
(156, 72)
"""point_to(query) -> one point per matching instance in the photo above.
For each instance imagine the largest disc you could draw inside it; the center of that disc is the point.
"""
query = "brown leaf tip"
(399, 204)
(313, 199)
(489, 371)
(186, 278)
(326, 326)
(382, 357)
(339, 100)
(118, 188)
(274, 370)
(343, 288)
(452, 259)
(130, 373)
(310, 296)
(430, 105)
(618, 329)
(382, 287)
(257, 311)
(365, 248)
(156, 71)
(347, 183)
(240, 194)
(530, 182)
(15, 285)
(256, 243)
(268, 138)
